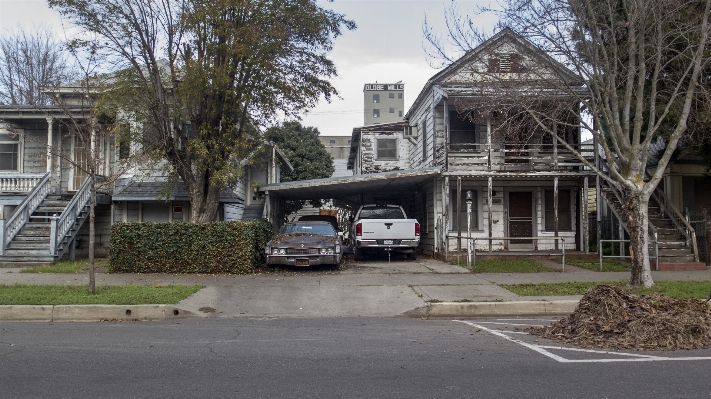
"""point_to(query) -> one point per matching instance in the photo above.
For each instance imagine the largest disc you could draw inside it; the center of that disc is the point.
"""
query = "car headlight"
(278, 251)
(326, 251)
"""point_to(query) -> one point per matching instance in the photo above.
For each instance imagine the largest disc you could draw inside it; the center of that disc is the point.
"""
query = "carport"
(398, 187)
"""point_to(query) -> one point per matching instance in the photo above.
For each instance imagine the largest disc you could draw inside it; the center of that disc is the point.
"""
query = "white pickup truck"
(384, 228)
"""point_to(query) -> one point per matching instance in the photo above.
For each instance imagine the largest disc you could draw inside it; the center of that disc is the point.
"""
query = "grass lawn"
(66, 266)
(23, 294)
(608, 265)
(507, 265)
(676, 289)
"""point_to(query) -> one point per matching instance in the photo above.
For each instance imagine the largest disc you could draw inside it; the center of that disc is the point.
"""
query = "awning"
(385, 183)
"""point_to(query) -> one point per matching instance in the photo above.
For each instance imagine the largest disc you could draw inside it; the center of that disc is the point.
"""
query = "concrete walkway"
(421, 288)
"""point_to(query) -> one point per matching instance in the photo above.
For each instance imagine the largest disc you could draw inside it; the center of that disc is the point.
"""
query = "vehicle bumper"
(303, 260)
(397, 245)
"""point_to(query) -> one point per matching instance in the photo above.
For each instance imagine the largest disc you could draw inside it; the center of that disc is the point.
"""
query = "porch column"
(488, 144)
(585, 221)
(489, 200)
(459, 213)
(445, 216)
(555, 209)
(50, 142)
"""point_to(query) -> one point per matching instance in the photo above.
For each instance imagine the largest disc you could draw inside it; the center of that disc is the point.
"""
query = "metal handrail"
(474, 239)
(656, 251)
(60, 225)
(21, 215)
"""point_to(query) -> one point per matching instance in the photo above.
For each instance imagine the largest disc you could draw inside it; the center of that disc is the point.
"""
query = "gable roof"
(505, 35)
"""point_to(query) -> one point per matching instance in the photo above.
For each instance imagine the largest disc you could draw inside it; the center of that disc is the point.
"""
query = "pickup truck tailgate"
(400, 229)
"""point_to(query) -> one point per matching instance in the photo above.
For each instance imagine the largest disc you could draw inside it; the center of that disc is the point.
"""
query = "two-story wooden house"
(44, 192)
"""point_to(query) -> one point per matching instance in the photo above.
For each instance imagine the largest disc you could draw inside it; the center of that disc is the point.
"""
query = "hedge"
(218, 247)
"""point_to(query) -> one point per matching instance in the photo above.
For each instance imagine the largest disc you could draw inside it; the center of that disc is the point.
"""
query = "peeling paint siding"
(368, 153)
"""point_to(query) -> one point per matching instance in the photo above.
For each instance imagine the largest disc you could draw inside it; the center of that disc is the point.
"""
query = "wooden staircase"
(32, 243)
(675, 242)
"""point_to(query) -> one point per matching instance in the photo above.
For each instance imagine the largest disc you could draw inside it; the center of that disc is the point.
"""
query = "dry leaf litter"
(609, 318)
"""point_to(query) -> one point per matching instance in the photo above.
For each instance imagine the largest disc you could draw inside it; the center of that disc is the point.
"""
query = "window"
(9, 152)
(391, 110)
(376, 113)
(349, 141)
(564, 210)
(463, 210)
(399, 95)
(463, 133)
(376, 98)
(399, 113)
(331, 141)
(424, 144)
(391, 95)
(386, 149)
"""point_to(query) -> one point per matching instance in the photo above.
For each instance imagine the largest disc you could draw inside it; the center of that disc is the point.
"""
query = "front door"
(520, 219)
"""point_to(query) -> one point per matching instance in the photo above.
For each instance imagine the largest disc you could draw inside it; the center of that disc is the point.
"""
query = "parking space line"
(542, 349)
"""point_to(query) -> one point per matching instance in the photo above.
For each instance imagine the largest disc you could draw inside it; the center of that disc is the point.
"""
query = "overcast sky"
(386, 47)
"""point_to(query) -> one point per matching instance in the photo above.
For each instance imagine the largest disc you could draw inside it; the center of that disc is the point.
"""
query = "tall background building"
(383, 102)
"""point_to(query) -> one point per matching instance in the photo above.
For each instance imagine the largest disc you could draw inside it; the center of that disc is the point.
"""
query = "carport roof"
(337, 187)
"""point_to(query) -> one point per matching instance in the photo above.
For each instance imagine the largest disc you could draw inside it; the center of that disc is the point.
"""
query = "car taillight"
(417, 229)
(359, 230)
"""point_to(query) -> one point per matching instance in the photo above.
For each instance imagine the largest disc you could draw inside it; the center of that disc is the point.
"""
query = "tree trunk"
(204, 206)
(92, 277)
(636, 206)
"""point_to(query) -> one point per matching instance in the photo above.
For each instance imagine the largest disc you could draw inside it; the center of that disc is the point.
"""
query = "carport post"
(469, 228)
(459, 223)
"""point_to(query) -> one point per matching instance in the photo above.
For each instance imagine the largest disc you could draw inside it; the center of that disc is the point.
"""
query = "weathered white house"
(526, 188)
(44, 195)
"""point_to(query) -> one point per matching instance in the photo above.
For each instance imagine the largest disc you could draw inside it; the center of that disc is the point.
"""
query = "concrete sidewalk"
(421, 288)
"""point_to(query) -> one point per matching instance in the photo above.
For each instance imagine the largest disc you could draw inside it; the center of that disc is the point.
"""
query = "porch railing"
(21, 215)
(19, 182)
(62, 225)
(519, 156)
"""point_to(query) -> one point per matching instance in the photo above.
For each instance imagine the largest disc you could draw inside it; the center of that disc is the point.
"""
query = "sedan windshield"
(308, 228)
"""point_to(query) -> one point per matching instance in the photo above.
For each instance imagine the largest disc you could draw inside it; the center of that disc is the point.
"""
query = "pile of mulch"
(610, 318)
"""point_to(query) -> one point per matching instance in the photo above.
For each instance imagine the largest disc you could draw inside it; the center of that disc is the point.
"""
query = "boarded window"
(564, 210)
(386, 149)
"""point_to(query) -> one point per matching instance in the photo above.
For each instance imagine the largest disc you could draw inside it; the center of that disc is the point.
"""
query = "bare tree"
(29, 61)
(640, 62)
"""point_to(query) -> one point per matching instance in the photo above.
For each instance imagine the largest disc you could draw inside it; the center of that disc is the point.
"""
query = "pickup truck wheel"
(412, 255)
(357, 254)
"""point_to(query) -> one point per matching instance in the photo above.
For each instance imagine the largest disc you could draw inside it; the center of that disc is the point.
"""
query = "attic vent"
(508, 62)
(505, 63)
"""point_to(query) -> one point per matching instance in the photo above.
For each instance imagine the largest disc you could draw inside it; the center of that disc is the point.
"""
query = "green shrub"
(218, 247)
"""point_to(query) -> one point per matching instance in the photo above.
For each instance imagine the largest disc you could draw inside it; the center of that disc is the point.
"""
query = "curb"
(50, 313)
(494, 309)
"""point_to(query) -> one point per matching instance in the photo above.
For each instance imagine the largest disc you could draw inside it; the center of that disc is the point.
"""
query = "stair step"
(24, 245)
(61, 203)
(20, 253)
(676, 252)
(50, 209)
(675, 259)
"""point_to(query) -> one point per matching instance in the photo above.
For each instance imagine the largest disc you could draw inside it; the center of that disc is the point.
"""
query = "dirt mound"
(610, 318)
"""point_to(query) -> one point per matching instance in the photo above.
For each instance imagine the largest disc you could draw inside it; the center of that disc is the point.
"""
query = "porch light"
(470, 196)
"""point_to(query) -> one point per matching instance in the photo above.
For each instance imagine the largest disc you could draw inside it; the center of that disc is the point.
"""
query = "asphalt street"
(328, 357)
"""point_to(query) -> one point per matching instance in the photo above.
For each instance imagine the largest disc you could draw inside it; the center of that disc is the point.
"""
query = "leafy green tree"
(202, 78)
(306, 153)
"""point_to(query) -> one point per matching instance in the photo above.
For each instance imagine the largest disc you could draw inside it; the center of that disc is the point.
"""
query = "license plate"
(302, 262)
(388, 242)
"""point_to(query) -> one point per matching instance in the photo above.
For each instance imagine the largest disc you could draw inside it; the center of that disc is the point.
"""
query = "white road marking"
(542, 349)
(508, 324)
